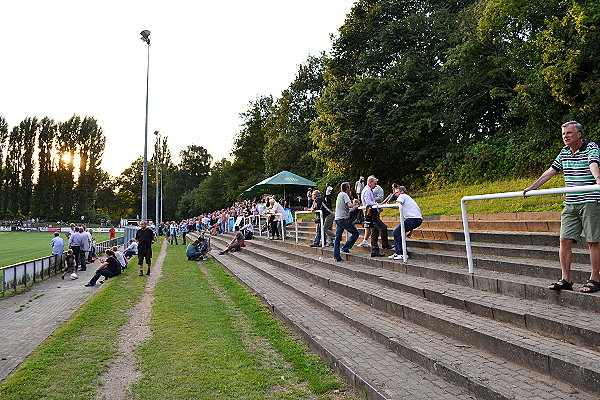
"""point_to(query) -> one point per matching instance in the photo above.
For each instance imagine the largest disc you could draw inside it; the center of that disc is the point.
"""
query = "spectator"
(119, 256)
(309, 197)
(70, 265)
(173, 231)
(193, 253)
(58, 244)
(372, 217)
(328, 193)
(109, 268)
(248, 230)
(236, 243)
(412, 220)
(359, 185)
(131, 250)
(145, 238)
(76, 242)
(328, 216)
(278, 218)
(112, 233)
(579, 161)
(343, 206)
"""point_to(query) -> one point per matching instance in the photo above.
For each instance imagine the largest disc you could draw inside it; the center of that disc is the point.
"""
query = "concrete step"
(368, 364)
(457, 356)
(553, 320)
(524, 259)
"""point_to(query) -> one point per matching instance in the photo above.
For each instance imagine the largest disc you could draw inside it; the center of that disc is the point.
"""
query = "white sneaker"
(364, 243)
(395, 257)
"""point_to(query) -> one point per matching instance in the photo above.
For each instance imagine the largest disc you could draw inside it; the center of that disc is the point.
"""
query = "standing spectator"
(145, 238)
(278, 214)
(183, 231)
(173, 232)
(76, 242)
(413, 218)
(58, 245)
(579, 161)
(359, 185)
(372, 216)
(109, 268)
(319, 204)
(111, 233)
(309, 197)
(343, 206)
(328, 193)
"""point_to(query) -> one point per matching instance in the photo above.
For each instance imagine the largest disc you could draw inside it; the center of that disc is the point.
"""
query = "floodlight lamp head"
(145, 36)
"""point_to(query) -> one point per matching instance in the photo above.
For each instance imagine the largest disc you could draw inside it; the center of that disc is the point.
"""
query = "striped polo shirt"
(576, 169)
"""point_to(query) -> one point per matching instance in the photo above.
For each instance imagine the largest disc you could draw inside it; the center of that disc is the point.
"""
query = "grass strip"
(198, 349)
(68, 363)
(307, 366)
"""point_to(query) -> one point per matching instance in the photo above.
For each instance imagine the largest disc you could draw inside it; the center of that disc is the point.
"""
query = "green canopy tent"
(277, 184)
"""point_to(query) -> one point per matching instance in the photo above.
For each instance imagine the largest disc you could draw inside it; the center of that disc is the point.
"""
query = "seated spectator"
(120, 257)
(131, 250)
(109, 268)
(70, 265)
(248, 230)
(194, 253)
(236, 243)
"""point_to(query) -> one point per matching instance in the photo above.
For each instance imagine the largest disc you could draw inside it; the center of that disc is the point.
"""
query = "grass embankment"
(446, 200)
(211, 339)
(68, 363)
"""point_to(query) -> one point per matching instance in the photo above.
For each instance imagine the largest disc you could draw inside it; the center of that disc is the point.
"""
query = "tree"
(90, 143)
(28, 131)
(3, 151)
(194, 166)
(288, 142)
(44, 191)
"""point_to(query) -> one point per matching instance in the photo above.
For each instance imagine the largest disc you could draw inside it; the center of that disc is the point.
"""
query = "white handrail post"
(403, 231)
(465, 221)
(322, 229)
(296, 223)
(282, 228)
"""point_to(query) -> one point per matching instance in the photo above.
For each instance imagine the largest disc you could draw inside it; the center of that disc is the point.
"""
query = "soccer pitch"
(23, 246)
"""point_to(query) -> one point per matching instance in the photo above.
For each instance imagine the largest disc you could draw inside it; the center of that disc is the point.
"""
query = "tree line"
(418, 92)
(424, 93)
(39, 176)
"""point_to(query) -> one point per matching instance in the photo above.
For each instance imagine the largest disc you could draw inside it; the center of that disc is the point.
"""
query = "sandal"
(560, 285)
(591, 287)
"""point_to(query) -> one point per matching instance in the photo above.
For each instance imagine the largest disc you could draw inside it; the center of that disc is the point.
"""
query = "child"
(70, 265)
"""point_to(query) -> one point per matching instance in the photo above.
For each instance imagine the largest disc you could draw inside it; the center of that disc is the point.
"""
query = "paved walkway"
(30, 316)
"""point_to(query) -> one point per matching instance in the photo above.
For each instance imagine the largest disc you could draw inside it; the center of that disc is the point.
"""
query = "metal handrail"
(505, 195)
(320, 212)
(51, 264)
(402, 229)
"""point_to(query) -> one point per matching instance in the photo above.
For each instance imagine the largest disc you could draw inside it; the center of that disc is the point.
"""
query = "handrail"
(402, 229)
(282, 222)
(320, 212)
(44, 266)
(505, 195)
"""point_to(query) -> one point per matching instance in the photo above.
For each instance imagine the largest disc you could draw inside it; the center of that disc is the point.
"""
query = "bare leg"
(566, 256)
(595, 260)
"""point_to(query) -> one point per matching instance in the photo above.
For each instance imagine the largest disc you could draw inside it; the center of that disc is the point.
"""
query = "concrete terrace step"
(400, 328)
(368, 364)
(553, 320)
(524, 259)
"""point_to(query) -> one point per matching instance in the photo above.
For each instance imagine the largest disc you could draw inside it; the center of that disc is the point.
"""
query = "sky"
(208, 60)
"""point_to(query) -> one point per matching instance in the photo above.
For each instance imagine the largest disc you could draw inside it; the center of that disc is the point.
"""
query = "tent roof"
(276, 184)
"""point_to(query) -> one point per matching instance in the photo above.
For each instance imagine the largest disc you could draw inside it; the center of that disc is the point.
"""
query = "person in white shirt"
(413, 218)
(278, 215)
(58, 244)
(328, 193)
(120, 257)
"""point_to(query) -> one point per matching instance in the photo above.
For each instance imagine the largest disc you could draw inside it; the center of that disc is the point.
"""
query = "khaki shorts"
(576, 218)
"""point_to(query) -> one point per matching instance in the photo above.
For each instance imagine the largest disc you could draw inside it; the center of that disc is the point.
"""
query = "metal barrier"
(402, 229)
(320, 212)
(505, 195)
(29, 272)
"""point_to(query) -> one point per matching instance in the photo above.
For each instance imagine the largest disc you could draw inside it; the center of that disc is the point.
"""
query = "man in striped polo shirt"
(579, 161)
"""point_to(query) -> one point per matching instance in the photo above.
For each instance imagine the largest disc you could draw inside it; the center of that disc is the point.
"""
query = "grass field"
(22, 246)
